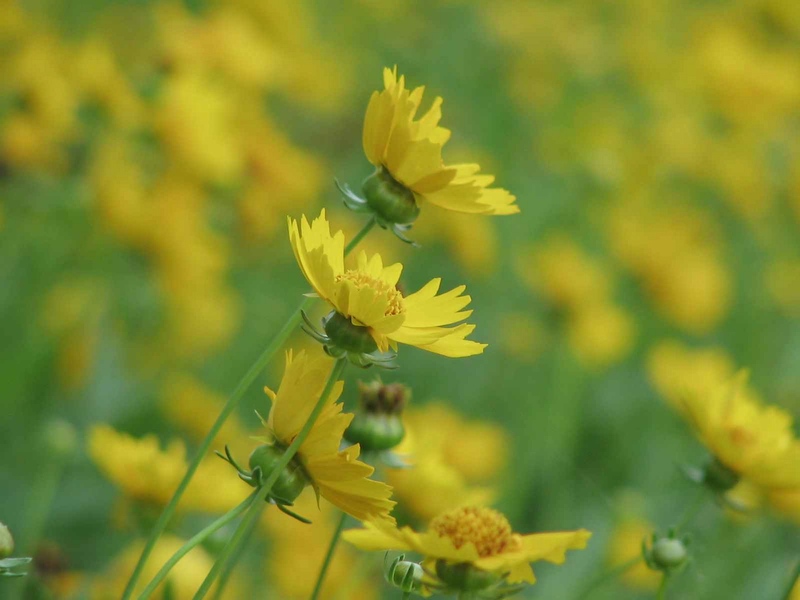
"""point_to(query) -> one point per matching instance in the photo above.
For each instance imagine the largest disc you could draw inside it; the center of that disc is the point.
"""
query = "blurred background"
(151, 150)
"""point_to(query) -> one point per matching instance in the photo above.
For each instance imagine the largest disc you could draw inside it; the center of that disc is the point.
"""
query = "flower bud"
(405, 575)
(465, 577)
(719, 477)
(6, 541)
(292, 479)
(346, 336)
(669, 554)
(378, 426)
(389, 200)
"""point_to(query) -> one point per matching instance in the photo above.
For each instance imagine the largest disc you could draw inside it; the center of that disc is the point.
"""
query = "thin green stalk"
(233, 401)
(792, 582)
(248, 521)
(692, 510)
(194, 541)
(662, 589)
(328, 557)
(610, 575)
(227, 570)
(360, 235)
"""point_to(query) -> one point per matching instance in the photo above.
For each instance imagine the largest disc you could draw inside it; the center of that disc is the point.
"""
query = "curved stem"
(233, 401)
(360, 235)
(604, 578)
(249, 520)
(662, 589)
(194, 541)
(328, 557)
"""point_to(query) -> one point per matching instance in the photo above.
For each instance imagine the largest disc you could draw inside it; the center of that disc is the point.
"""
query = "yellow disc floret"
(488, 530)
(361, 280)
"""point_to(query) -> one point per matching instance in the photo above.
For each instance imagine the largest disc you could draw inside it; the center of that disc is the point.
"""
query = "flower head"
(407, 154)
(336, 475)
(748, 440)
(480, 538)
(371, 313)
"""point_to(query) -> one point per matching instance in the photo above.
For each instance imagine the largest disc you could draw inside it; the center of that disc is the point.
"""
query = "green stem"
(194, 541)
(692, 510)
(792, 582)
(227, 570)
(230, 406)
(662, 589)
(328, 557)
(249, 520)
(609, 576)
(360, 235)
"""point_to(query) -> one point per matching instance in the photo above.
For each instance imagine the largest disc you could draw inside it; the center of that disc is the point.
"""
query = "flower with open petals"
(748, 439)
(469, 545)
(370, 312)
(407, 154)
(335, 474)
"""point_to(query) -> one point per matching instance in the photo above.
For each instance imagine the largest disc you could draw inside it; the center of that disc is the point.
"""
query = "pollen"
(394, 299)
(487, 529)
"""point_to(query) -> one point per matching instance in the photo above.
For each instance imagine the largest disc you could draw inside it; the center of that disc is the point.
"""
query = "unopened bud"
(669, 553)
(6, 541)
(378, 426)
(405, 575)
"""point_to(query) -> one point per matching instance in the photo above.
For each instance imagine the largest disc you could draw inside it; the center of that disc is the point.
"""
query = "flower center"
(361, 280)
(487, 529)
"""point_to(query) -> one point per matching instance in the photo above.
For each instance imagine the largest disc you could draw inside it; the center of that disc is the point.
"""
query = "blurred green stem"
(194, 541)
(248, 522)
(608, 576)
(662, 589)
(692, 510)
(233, 401)
(328, 557)
(227, 569)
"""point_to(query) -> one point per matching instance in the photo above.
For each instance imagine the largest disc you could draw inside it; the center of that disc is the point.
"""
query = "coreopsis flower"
(451, 461)
(748, 440)
(370, 313)
(334, 474)
(471, 548)
(407, 154)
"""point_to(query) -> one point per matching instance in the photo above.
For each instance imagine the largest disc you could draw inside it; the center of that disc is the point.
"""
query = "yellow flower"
(149, 474)
(451, 459)
(184, 578)
(480, 537)
(367, 297)
(625, 545)
(408, 155)
(754, 441)
(786, 502)
(600, 333)
(336, 475)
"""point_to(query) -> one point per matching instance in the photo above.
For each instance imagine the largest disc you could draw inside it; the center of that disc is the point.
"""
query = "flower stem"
(328, 557)
(662, 589)
(249, 520)
(610, 575)
(225, 574)
(194, 541)
(692, 510)
(233, 401)
(360, 235)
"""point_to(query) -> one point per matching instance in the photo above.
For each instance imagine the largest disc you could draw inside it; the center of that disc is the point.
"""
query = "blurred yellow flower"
(754, 441)
(334, 474)
(479, 537)
(408, 152)
(626, 545)
(786, 502)
(451, 459)
(297, 551)
(184, 578)
(367, 296)
(600, 333)
(783, 284)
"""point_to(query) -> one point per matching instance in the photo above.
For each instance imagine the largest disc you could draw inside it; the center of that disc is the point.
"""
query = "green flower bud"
(389, 200)
(347, 336)
(378, 426)
(405, 575)
(464, 576)
(377, 397)
(6, 541)
(719, 477)
(292, 479)
(669, 554)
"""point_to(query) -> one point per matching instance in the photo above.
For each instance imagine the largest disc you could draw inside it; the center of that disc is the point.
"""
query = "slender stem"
(610, 575)
(692, 510)
(360, 235)
(328, 557)
(248, 521)
(194, 541)
(795, 580)
(662, 589)
(233, 401)
(227, 569)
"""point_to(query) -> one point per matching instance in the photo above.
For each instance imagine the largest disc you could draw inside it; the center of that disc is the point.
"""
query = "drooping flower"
(407, 154)
(748, 440)
(334, 474)
(370, 312)
(472, 547)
